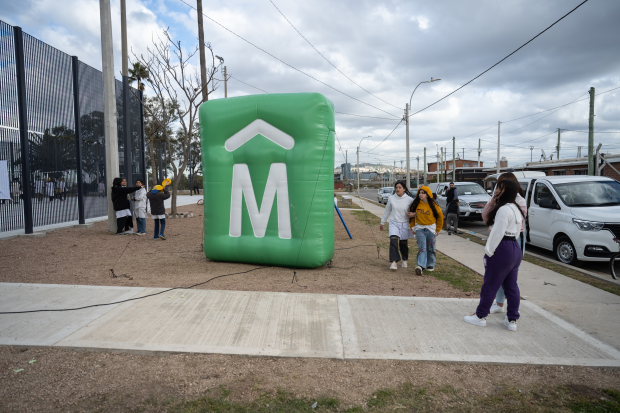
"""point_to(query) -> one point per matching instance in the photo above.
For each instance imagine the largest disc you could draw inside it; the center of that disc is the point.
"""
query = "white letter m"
(242, 187)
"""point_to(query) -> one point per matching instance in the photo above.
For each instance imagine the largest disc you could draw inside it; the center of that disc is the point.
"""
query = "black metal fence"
(52, 134)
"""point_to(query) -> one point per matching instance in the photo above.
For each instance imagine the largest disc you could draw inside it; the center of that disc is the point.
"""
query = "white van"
(577, 217)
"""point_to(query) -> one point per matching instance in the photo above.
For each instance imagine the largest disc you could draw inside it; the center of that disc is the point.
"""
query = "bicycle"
(614, 264)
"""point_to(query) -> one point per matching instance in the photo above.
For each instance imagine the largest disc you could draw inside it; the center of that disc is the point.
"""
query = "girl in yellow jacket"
(425, 221)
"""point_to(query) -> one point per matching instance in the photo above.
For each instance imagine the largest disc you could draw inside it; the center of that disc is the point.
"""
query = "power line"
(521, 47)
(363, 116)
(327, 60)
(287, 64)
(401, 121)
(247, 84)
(585, 131)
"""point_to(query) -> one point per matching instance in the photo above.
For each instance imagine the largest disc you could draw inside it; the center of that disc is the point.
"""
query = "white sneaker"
(129, 231)
(430, 269)
(512, 325)
(394, 266)
(404, 264)
(418, 270)
(473, 319)
(496, 309)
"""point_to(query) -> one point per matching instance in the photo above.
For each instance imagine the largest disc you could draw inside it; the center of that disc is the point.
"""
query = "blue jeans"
(426, 248)
(141, 222)
(157, 232)
(500, 297)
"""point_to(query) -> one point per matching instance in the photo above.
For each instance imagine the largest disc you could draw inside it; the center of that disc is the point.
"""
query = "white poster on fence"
(5, 187)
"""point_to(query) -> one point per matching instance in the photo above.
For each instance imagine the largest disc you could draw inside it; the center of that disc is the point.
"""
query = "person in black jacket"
(452, 216)
(121, 203)
(156, 197)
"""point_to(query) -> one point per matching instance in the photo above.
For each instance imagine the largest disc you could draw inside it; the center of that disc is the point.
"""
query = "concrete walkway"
(289, 325)
(592, 310)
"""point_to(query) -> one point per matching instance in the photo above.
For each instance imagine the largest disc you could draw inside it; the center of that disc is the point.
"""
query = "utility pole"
(424, 166)
(394, 174)
(453, 160)
(109, 105)
(558, 147)
(479, 151)
(498, 141)
(579, 152)
(127, 161)
(203, 59)
(591, 135)
(531, 153)
(225, 83)
(463, 153)
(346, 165)
(358, 171)
(407, 146)
(417, 179)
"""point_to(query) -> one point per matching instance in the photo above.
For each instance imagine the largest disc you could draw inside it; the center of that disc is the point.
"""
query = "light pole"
(358, 163)
(407, 107)
(531, 153)
(221, 59)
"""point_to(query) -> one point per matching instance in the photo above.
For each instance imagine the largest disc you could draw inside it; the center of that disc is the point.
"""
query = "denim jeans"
(157, 232)
(141, 222)
(500, 297)
(426, 248)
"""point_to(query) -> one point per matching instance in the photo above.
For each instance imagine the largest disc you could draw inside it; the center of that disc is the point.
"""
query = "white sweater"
(507, 223)
(400, 206)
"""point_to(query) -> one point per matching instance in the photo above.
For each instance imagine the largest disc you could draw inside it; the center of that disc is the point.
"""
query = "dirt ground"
(85, 256)
(65, 380)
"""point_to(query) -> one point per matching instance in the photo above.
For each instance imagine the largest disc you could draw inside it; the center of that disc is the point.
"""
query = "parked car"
(384, 193)
(472, 199)
(577, 217)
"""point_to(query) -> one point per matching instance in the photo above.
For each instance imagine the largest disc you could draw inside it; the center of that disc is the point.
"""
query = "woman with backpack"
(425, 220)
(502, 257)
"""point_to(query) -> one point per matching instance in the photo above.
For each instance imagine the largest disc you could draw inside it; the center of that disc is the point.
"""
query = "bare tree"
(157, 116)
(173, 78)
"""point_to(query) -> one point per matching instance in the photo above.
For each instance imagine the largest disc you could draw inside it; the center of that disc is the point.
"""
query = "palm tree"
(138, 72)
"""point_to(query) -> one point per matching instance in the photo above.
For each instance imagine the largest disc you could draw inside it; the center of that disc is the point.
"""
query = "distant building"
(459, 163)
(345, 170)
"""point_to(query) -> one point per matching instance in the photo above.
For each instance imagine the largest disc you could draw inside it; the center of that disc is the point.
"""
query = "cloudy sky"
(388, 48)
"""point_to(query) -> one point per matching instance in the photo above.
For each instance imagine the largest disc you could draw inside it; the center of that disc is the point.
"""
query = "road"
(480, 228)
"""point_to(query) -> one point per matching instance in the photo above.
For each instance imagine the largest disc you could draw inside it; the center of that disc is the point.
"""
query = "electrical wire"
(131, 299)
(520, 47)
(285, 63)
(401, 121)
(327, 60)
(585, 131)
(247, 84)
(363, 116)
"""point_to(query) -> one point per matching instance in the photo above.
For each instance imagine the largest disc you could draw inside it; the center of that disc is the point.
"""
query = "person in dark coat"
(156, 197)
(121, 203)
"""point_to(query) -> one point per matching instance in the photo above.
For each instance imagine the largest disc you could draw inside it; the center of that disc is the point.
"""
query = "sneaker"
(162, 236)
(431, 269)
(394, 266)
(480, 322)
(511, 324)
(404, 264)
(140, 233)
(120, 233)
(449, 233)
(128, 232)
(496, 309)
(418, 270)
(460, 232)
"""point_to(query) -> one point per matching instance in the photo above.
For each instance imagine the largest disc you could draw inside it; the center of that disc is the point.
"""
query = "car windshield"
(470, 190)
(387, 190)
(589, 193)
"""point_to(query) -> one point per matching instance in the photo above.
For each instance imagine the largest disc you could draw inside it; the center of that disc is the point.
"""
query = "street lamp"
(221, 59)
(407, 106)
(358, 163)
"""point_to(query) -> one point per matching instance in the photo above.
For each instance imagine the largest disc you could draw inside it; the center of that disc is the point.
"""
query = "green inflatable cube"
(268, 162)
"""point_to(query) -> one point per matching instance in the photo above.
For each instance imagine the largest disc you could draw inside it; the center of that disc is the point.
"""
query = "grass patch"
(368, 218)
(576, 275)
(582, 399)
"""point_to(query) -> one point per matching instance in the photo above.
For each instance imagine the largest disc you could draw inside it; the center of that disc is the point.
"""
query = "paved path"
(289, 325)
(591, 309)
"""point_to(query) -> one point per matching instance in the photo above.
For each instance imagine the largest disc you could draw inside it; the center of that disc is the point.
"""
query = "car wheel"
(565, 251)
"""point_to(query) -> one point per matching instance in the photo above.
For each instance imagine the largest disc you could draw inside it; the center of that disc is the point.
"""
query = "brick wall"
(583, 170)
(460, 163)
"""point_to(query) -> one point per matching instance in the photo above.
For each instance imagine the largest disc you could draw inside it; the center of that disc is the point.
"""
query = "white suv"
(576, 217)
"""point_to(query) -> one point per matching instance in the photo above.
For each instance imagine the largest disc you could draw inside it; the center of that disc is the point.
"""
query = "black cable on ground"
(135, 298)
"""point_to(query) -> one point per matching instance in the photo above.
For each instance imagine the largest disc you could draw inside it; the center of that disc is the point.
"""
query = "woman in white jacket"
(396, 211)
(502, 258)
(139, 207)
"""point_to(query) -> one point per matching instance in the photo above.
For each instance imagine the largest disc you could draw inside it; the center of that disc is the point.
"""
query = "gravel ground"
(85, 256)
(65, 380)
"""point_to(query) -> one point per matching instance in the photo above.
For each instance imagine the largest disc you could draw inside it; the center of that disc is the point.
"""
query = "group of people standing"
(422, 218)
(122, 201)
(53, 188)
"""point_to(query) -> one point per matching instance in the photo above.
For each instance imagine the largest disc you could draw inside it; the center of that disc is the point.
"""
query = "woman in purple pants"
(502, 258)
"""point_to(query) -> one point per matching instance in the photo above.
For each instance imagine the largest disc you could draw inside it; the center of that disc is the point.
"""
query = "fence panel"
(11, 211)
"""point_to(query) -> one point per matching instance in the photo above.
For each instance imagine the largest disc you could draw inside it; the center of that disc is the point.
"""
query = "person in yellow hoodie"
(425, 221)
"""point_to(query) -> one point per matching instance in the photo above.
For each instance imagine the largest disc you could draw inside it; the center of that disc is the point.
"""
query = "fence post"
(142, 142)
(22, 106)
(78, 139)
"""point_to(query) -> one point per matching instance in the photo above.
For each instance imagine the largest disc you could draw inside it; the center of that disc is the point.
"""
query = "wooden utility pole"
(479, 151)
(591, 135)
(203, 59)
(558, 147)
(424, 166)
(453, 159)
